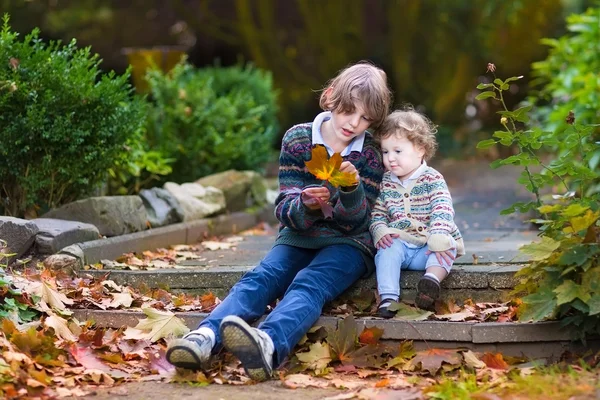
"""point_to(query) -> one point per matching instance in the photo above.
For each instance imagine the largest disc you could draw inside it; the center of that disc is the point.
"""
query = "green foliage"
(11, 305)
(137, 168)
(212, 119)
(567, 80)
(62, 123)
(563, 280)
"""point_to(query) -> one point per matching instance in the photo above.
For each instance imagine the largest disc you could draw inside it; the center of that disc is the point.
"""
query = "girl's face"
(401, 156)
(347, 126)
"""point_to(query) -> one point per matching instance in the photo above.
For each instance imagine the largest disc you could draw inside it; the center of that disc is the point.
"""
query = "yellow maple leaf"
(328, 168)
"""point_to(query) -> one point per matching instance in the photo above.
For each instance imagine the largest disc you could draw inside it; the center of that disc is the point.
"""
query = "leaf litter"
(64, 357)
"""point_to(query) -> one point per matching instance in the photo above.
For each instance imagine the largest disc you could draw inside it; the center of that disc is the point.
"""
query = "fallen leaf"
(432, 359)
(120, 299)
(472, 361)
(317, 357)
(213, 245)
(296, 381)
(61, 328)
(494, 360)
(343, 339)
(404, 312)
(160, 324)
(370, 335)
(456, 317)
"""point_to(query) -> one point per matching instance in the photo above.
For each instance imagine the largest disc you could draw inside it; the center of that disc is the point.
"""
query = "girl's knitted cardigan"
(421, 213)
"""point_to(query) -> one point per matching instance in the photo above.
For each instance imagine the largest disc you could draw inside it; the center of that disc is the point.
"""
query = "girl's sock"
(387, 300)
(433, 276)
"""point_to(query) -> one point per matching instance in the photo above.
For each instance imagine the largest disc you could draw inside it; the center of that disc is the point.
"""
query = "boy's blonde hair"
(362, 81)
(412, 125)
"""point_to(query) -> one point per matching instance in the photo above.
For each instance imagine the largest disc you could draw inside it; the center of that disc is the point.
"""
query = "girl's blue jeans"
(306, 278)
(391, 260)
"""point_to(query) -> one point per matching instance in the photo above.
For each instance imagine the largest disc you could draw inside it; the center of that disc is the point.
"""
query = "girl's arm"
(441, 222)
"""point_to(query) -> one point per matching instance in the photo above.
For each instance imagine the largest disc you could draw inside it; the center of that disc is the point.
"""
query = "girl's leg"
(428, 288)
(249, 297)
(331, 271)
(388, 263)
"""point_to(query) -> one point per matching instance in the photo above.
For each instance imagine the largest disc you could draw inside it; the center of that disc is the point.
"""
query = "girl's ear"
(420, 151)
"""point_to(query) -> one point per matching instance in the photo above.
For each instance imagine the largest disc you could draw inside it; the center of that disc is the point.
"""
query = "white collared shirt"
(355, 144)
(414, 176)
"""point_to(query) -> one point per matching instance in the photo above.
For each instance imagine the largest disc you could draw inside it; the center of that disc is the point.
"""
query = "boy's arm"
(441, 222)
(289, 209)
(354, 207)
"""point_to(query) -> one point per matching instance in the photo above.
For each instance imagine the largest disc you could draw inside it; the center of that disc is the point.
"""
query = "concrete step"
(481, 283)
(545, 340)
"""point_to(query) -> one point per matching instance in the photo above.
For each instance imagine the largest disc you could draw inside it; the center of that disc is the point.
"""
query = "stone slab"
(181, 233)
(18, 236)
(438, 331)
(494, 332)
(55, 234)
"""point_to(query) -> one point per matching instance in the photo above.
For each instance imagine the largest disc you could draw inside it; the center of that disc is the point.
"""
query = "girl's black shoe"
(383, 311)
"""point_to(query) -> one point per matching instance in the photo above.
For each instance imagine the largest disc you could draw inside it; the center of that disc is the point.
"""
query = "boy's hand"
(347, 166)
(444, 257)
(386, 241)
(309, 196)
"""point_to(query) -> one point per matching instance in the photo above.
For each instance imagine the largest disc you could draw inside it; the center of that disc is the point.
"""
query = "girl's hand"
(386, 241)
(309, 196)
(444, 257)
(347, 166)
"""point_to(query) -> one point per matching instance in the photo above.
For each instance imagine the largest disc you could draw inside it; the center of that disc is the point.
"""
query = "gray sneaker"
(253, 347)
(191, 351)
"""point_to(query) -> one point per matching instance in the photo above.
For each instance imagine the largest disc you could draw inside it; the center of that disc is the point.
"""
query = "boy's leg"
(388, 263)
(247, 299)
(332, 271)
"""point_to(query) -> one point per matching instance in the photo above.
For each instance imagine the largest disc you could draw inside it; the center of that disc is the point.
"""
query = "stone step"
(545, 340)
(481, 283)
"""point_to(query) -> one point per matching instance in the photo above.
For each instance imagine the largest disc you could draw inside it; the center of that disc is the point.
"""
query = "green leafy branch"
(563, 280)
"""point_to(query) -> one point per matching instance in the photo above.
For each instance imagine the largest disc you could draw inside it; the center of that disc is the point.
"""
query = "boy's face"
(401, 156)
(347, 126)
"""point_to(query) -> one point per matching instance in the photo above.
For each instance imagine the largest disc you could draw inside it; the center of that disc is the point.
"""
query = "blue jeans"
(307, 279)
(391, 260)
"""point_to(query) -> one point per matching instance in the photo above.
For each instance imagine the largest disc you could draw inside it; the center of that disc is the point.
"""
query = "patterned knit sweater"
(422, 213)
(303, 227)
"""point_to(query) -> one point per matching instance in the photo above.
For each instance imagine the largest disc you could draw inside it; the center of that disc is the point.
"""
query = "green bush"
(62, 123)
(212, 119)
(567, 80)
(563, 280)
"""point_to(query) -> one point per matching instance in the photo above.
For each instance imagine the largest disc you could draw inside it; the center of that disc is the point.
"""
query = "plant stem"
(534, 187)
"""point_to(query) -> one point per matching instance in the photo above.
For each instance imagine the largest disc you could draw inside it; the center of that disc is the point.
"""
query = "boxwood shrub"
(63, 122)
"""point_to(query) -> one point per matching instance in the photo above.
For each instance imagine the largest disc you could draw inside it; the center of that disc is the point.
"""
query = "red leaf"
(370, 335)
(495, 361)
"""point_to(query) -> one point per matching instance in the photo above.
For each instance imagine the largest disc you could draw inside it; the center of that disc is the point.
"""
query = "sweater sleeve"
(379, 219)
(353, 210)
(289, 209)
(441, 221)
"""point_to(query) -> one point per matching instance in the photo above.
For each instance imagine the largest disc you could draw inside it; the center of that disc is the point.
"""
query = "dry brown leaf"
(472, 361)
(61, 327)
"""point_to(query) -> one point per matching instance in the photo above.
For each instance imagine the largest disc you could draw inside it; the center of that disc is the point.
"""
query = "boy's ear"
(327, 94)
